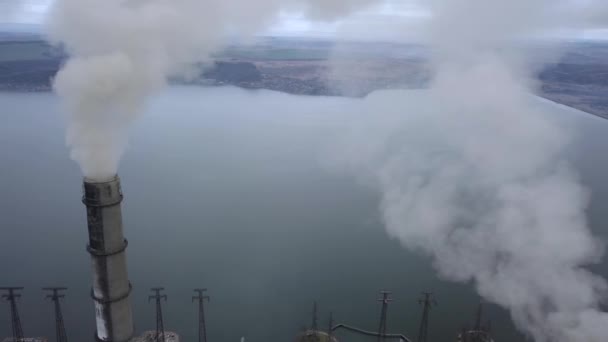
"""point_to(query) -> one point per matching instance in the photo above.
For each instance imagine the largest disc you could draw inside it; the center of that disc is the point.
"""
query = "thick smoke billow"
(472, 173)
(123, 51)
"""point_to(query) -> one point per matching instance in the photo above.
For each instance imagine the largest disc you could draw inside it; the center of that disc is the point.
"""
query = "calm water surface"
(226, 189)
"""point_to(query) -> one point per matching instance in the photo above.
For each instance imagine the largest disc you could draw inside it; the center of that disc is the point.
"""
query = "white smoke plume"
(8, 8)
(472, 172)
(593, 14)
(123, 51)
(19, 11)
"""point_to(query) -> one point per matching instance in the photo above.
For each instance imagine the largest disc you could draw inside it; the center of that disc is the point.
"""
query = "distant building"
(150, 336)
(314, 336)
(475, 336)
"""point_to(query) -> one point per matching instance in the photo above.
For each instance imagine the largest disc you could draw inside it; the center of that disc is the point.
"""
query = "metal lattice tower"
(55, 296)
(11, 297)
(478, 316)
(382, 328)
(314, 325)
(427, 302)
(330, 328)
(479, 332)
(160, 327)
(314, 332)
(381, 334)
(202, 328)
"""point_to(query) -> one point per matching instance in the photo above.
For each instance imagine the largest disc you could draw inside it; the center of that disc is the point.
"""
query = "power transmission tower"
(55, 296)
(202, 328)
(427, 302)
(314, 325)
(481, 332)
(381, 334)
(313, 333)
(11, 297)
(160, 328)
(478, 316)
(330, 329)
(382, 328)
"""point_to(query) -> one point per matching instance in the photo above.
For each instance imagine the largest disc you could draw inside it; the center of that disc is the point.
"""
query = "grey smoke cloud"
(11, 10)
(472, 173)
(473, 177)
(597, 14)
(22, 11)
(8, 8)
(122, 52)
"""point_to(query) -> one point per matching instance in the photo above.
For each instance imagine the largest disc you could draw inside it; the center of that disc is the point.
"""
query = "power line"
(400, 337)
(381, 334)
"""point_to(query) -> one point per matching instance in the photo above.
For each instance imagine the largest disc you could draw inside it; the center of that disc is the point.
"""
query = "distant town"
(323, 68)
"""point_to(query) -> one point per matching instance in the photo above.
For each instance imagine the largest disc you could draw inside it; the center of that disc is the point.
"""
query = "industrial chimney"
(107, 246)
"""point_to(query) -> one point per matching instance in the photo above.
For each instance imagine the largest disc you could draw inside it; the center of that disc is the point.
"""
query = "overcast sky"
(376, 23)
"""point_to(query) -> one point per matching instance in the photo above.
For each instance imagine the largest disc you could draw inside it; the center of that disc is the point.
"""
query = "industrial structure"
(382, 328)
(313, 334)
(480, 332)
(111, 289)
(160, 325)
(11, 297)
(382, 333)
(202, 327)
(330, 331)
(150, 336)
(427, 302)
(107, 247)
(314, 325)
(55, 296)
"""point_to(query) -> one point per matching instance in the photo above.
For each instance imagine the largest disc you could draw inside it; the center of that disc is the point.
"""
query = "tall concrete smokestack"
(107, 246)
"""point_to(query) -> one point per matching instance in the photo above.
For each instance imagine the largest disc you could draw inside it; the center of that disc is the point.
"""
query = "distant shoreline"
(304, 67)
